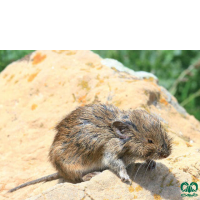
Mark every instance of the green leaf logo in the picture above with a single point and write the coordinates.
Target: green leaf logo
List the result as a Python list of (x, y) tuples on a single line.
[(185, 187)]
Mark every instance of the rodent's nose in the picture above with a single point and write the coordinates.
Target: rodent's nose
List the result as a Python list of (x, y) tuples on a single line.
[(164, 155)]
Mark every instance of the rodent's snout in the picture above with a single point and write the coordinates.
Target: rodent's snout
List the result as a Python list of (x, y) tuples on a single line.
[(165, 150), (163, 154)]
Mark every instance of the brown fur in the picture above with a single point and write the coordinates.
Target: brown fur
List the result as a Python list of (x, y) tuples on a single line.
[(98, 136), (86, 134)]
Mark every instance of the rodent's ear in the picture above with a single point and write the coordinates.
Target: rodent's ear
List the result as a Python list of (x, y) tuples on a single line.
[(119, 127)]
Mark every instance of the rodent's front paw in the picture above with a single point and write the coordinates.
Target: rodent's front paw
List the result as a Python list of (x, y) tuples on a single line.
[(151, 164), (125, 177)]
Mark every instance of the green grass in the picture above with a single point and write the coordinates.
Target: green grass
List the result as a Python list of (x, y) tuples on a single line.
[(171, 67)]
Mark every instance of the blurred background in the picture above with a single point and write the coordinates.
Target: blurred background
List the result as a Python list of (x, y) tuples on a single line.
[(178, 71)]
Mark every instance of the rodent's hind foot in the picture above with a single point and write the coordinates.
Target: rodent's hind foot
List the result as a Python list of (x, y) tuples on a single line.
[(151, 164), (88, 176)]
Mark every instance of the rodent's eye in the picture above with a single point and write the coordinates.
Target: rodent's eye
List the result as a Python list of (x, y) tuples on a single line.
[(150, 141)]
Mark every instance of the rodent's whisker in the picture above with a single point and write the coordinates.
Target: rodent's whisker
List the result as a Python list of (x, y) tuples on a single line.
[(148, 166), (138, 170)]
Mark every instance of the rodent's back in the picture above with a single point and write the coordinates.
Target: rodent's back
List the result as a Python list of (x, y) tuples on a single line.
[(82, 135), (86, 119)]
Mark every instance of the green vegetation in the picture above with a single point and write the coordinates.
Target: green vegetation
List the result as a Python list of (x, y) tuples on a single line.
[(8, 56), (178, 71)]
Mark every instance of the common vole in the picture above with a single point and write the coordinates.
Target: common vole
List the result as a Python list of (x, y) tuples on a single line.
[(98, 136)]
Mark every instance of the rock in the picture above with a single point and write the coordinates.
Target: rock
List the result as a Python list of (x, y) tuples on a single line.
[(170, 99), (39, 90), (114, 64)]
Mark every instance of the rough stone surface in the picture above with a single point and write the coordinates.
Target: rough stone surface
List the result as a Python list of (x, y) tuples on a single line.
[(39, 90), (112, 63)]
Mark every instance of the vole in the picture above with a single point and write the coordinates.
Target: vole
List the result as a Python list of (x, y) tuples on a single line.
[(99, 136)]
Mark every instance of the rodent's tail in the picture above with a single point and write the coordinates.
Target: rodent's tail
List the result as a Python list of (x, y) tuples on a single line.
[(45, 178)]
